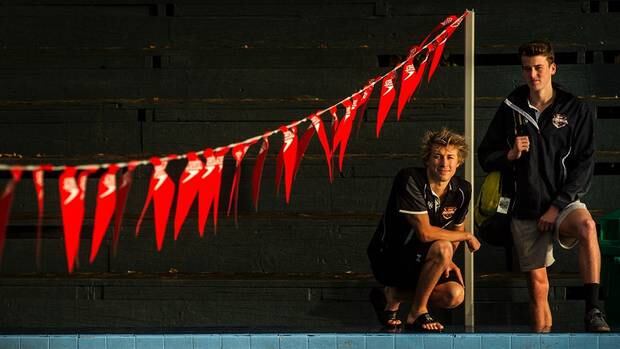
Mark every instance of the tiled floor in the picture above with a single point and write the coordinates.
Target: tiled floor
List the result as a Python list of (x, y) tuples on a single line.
[(314, 341)]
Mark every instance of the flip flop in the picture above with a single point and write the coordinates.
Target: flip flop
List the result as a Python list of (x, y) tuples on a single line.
[(377, 298), (424, 319)]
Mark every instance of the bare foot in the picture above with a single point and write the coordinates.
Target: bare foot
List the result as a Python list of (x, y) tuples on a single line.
[(391, 304), (423, 322)]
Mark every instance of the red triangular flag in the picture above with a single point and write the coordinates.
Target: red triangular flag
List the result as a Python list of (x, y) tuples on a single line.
[(288, 154), (363, 104), (279, 170), (161, 192), (451, 23), (341, 138), (320, 130), (82, 182), (106, 203), (37, 179), (407, 76), (388, 93), (304, 142), (409, 82), (437, 48), (238, 153), (72, 193), (439, 27), (121, 201), (280, 163), (257, 173), (189, 184), (5, 205), (211, 180), (333, 111), (207, 183)]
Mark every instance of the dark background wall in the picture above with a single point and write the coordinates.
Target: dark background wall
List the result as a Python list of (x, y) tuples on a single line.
[(85, 81)]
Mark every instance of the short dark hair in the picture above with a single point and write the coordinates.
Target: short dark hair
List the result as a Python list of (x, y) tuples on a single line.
[(538, 48), (444, 138)]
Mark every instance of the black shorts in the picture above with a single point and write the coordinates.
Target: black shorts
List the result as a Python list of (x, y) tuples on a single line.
[(402, 268)]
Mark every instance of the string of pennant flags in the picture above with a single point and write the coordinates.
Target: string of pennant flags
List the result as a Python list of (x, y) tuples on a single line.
[(202, 176)]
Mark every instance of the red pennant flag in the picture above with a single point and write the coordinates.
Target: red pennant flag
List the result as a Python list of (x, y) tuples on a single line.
[(121, 201), (388, 93), (82, 182), (406, 78), (280, 163), (257, 174), (334, 127), (5, 205), (211, 180), (320, 130), (333, 110), (189, 184), (361, 109), (106, 202), (304, 142), (238, 153), (439, 27), (161, 192), (409, 82), (451, 23), (279, 170), (72, 192), (341, 138), (288, 155), (69, 203), (37, 179)]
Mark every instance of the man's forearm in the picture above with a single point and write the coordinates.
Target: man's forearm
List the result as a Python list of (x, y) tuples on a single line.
[(433, 233)]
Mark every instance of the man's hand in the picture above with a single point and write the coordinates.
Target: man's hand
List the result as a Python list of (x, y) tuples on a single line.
[(457, 271), (473, 244), (522, 144), (546, 223)]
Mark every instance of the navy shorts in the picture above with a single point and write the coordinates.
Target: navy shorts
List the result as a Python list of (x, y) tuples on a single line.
[(401, 268)]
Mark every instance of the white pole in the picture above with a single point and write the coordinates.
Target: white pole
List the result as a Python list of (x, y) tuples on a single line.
[(469, 166)]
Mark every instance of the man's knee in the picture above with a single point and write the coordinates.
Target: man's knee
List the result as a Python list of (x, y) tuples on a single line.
[(450, 296), (455, 297), (580, 225), (441, 251), (587, 230)]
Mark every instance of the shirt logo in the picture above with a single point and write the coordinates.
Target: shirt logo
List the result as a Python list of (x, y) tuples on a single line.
[(448, 212), (559, 120), (430, 205)]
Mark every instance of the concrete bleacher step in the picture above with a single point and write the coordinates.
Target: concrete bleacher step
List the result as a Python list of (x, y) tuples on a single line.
[(101, 302)]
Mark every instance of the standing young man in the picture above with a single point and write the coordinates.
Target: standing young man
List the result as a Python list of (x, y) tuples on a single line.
[(543, 136), (412, 248)]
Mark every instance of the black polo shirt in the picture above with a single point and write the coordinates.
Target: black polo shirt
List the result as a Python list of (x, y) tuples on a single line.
[(411, 194)]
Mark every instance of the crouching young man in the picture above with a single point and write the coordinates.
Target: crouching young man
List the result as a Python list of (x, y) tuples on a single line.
[(411, 251)]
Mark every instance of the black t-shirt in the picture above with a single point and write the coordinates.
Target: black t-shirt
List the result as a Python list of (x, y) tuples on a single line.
[(411, 194)]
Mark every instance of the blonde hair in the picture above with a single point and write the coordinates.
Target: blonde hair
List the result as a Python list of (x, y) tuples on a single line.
[(444, 138)]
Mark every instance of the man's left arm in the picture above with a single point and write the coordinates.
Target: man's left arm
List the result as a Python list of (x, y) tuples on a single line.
[(459, 223), (579, 169), (580, 161), (461, 228)]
